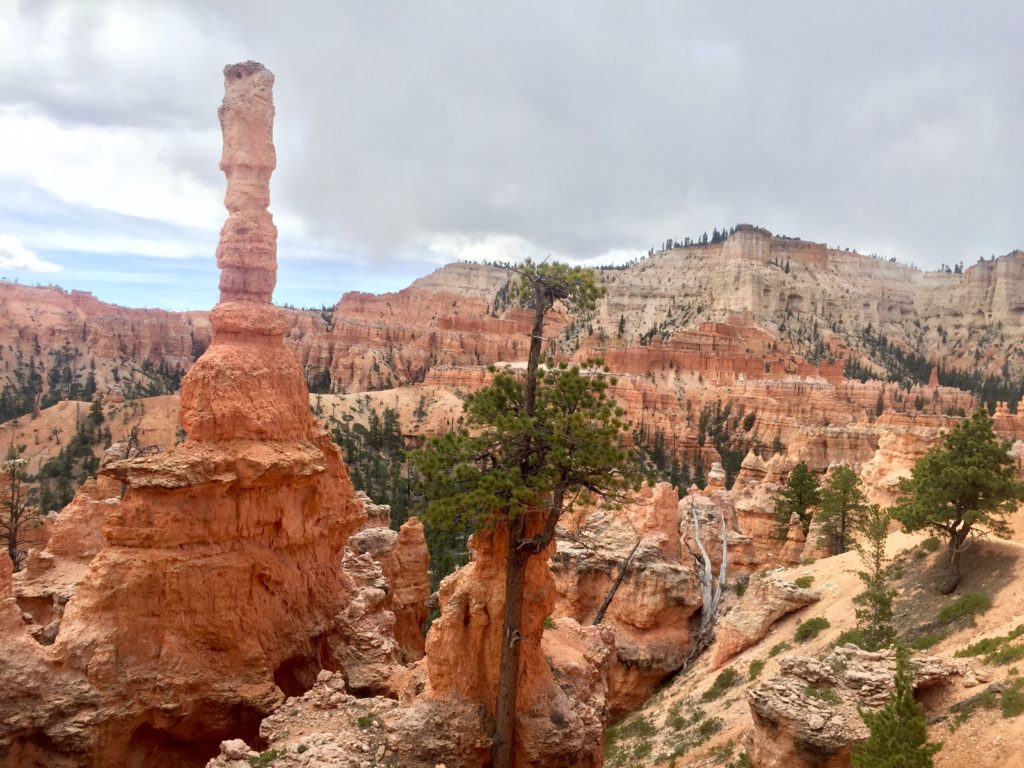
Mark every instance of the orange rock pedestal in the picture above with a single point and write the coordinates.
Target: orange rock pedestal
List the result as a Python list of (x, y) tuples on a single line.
[(217, 586)]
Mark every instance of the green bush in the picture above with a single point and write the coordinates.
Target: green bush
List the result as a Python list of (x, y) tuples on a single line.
[(822, 694), (852, 636), (755, 668), (1012, 702), (927, 640), (1008, 654), (810, 629), (365, 721), (637, 727), (777, 649), (804, 581), (709, 728), (723, 752), (725, 680), (964, 607), (266, 758), (642, 749), (549, 623), (931, 544), (990, 644)]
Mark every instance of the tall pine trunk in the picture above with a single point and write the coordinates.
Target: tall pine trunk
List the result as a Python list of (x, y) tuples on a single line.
[(503, 749), (503, 739)]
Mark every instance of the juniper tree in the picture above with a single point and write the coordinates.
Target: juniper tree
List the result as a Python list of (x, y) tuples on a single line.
[(898, 732), (797, 496), (964, 486), (532, 444), (842, 508)]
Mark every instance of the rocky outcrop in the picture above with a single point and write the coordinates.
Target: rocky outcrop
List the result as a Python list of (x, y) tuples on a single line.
[(808, 716), (658, 594), (766, 600), (216, 587), (328, 727), (404, 561)]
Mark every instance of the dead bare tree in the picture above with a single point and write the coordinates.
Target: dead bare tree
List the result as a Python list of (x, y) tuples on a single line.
[(711, 590), (18, 517), (615, 586)]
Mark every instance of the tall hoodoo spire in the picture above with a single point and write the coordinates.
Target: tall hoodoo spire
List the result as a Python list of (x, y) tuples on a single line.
[(247, 386), (247, 253)]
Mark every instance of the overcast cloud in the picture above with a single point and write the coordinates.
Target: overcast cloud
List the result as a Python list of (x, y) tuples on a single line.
[(410, 134)]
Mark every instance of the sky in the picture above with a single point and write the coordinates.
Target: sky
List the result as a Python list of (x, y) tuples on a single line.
[(413, 134)]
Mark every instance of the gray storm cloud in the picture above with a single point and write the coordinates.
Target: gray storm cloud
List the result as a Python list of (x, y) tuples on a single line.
[(579, 128)]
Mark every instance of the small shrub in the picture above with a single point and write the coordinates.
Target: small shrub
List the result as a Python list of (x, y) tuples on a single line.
[(927, 640), (709, 728), (990, 644), (965, 607), (1012, 702), (725, 680), (301, 748), (804, 581), (778, 648), (740, 587), (1008, 654), (365, 721), (638, 727), (852, 637), (549, 623), (810, 629), (266, 758), (931, 544), (722, 752), (642, 749), (755, 668), (822, 694), (743, 761)]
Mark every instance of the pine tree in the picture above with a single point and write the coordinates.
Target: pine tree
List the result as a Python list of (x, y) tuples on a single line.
[(842, 508), (533, 443), (964, 485), (898, 732), (875, 615), (801, 492)]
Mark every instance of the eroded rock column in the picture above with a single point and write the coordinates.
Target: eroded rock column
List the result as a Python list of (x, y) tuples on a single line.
[(247, 385)]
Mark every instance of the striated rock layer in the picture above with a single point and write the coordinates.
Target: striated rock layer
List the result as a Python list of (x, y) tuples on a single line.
[(216, 587)]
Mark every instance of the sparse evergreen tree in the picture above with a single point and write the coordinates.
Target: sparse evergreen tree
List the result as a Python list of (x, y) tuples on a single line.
[(874, 616), (534, 442), (898, 732), (964, 485), (801, 492), (842, 508)]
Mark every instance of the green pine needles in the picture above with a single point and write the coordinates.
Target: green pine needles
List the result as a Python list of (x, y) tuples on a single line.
[(961, 487), (898, 732)]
